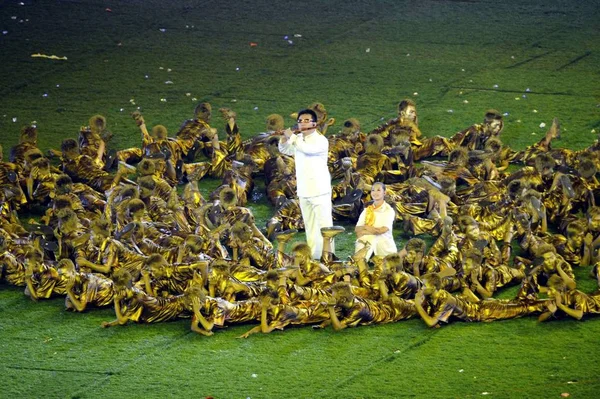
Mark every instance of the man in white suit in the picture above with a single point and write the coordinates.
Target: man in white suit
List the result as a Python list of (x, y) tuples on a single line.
[(309, 149)]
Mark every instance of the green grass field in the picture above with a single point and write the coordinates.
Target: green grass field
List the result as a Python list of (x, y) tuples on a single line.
[(534, 60)]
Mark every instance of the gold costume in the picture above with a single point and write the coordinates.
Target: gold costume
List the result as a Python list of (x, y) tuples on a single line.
[(92, 289), (367, 311)]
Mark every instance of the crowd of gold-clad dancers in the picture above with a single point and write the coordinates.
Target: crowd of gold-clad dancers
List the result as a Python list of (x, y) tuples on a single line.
[(129, 229)]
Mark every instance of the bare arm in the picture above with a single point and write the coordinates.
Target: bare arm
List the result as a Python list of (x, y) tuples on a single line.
[(335, 322), (79, 304), (83, 262), (430, 321)]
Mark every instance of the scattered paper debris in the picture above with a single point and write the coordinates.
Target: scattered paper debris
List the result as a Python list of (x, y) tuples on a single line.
[(463, 69), (565, 394), (256, 108), (254, 375), (169, 70), (169, 82), (527, 90), (450, 111), (408, 55), (415, 94), (107, 10), (535, 111), (368, 50), (290, 42), (237, 68), (465, 101), (163, 30), (485, 393), (233, 100), (506, 114), (188, 94), (461, 370), (45, 95), (163, 100), (14, 120), (297, 35), (253, 44), (542, 125), (5, 32), (496, 86)]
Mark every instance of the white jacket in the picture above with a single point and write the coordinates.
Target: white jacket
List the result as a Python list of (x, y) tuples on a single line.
[(310, 154)]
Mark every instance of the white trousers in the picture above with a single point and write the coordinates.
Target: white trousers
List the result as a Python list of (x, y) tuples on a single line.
[(380, 245), (316, 213)]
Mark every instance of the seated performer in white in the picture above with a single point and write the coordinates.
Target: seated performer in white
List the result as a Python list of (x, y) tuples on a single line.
[(375, 225)]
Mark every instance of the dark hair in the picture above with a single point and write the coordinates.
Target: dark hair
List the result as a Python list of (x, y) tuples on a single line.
[(310, 112), (380, 184), (405, 104), (69, 145)]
